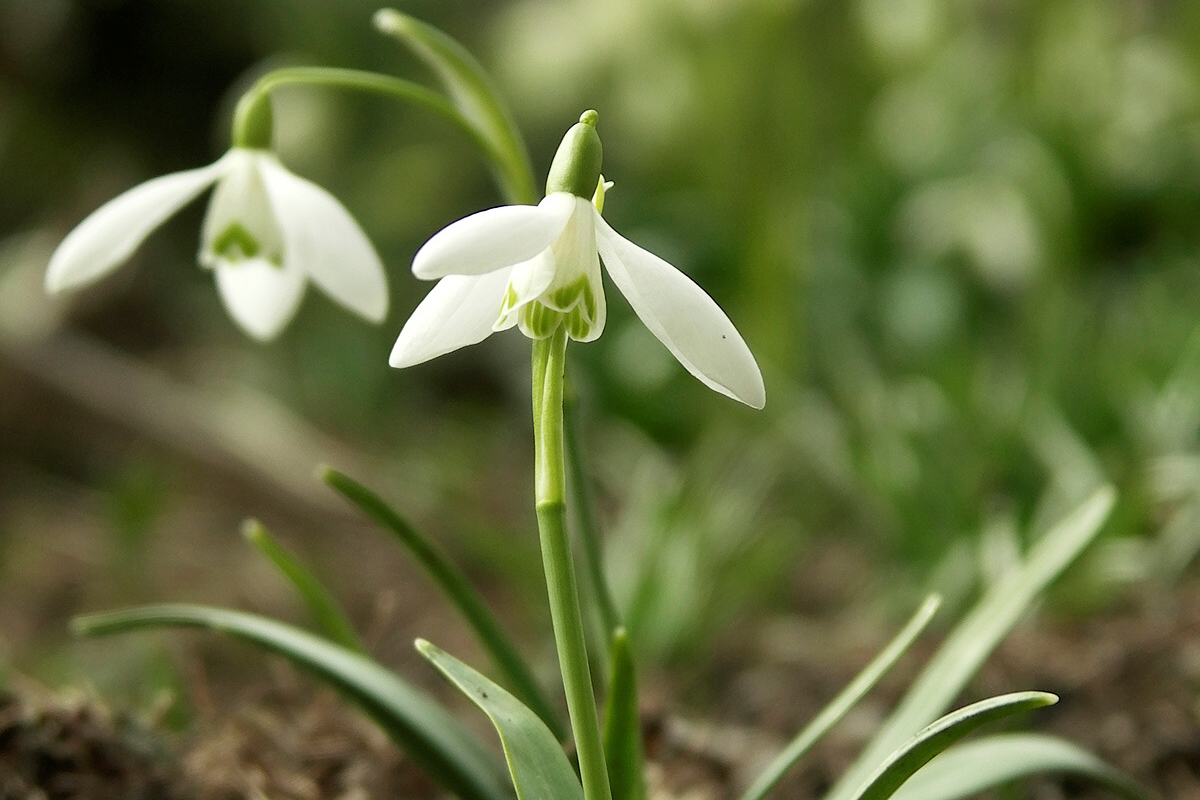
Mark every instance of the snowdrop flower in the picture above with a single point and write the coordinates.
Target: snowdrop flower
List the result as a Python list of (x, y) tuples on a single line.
[(267, 233), (538, 267)]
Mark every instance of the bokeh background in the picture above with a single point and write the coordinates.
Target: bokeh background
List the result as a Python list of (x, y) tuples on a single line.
[(961, 237)]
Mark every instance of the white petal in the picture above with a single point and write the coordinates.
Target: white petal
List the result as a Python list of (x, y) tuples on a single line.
[(683, 317), (492, 239), (459, 311), (325, 243), (260, 296), (530, 278), (112, 232)]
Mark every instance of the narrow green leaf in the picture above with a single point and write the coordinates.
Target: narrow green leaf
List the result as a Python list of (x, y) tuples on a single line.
[(921, 749), (325, 610), (979, 633), (451, 580), (472, 92), (846, 700), (435, 740), (539, 767), (622, 725), (974, 767), (583, 517)]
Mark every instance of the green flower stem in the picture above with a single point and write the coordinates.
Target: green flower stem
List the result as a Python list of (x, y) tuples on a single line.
[(549, 358), (253, 109)]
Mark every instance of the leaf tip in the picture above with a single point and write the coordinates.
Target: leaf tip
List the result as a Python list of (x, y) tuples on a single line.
[(80, 626), (389, 21), (253, 530)]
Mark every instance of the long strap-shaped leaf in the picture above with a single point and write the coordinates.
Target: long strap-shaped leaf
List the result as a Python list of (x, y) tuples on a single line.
[(454, 584), (472, 92), (841, 705), (324, 608), (921, 749), (539, 768), (432, 738), (622, 725), (974, 767), (974, 639)]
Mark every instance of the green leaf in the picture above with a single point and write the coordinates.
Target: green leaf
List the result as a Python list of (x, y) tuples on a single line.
[(325, 610), (974, 767), (979, 633), (583, 516), (472, 92), (539, 767), (622, 726), (432, 738), (921, 749), (451, 580), (846, 700)]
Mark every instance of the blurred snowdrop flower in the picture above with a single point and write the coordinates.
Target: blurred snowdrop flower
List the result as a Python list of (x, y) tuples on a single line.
[(266, 234), (538, 267)]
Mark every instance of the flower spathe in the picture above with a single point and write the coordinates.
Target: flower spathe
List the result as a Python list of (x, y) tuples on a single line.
[(537, 267), (267, 233)]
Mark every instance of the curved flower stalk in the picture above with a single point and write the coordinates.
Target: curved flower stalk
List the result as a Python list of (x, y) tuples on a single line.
[(267, 233), (538, 267)]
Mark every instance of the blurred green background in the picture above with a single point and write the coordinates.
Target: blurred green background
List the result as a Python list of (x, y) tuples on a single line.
[(961, 237)]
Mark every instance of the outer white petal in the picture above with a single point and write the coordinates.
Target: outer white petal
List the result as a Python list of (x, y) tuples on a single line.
[(260, 296), (112, 232), (323, 241), (460, 310), (683, 317), (492, 239)]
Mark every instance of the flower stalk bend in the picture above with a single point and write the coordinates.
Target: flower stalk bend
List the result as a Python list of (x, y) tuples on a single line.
[(549, 359)]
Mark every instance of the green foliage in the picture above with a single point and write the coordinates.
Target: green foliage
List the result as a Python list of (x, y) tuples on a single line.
[(434, 739), (974, 767), (922, 748), (623, 749), (536, 761), (323, 607), (978, 635), (456, 587), (837, 708)]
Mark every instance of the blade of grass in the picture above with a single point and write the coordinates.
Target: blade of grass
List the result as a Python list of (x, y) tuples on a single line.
[(432, 738), (920, 749), (622, 725), (831, 714), (325, 610), (583, 515), (451, 580), (987, 763), (979, 633)]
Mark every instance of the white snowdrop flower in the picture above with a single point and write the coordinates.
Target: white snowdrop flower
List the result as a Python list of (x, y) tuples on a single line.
[(268, 232), (538, 267)]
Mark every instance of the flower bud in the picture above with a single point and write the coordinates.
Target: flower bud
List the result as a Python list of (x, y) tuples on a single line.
[(576, 165)]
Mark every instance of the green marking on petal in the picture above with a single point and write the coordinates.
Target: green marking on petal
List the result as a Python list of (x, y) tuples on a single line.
[(564, 298), (538, 321), (235, 243), (589, 301), (578, 323)]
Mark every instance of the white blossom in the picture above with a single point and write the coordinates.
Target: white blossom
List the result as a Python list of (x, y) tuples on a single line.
[(268, 232)]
